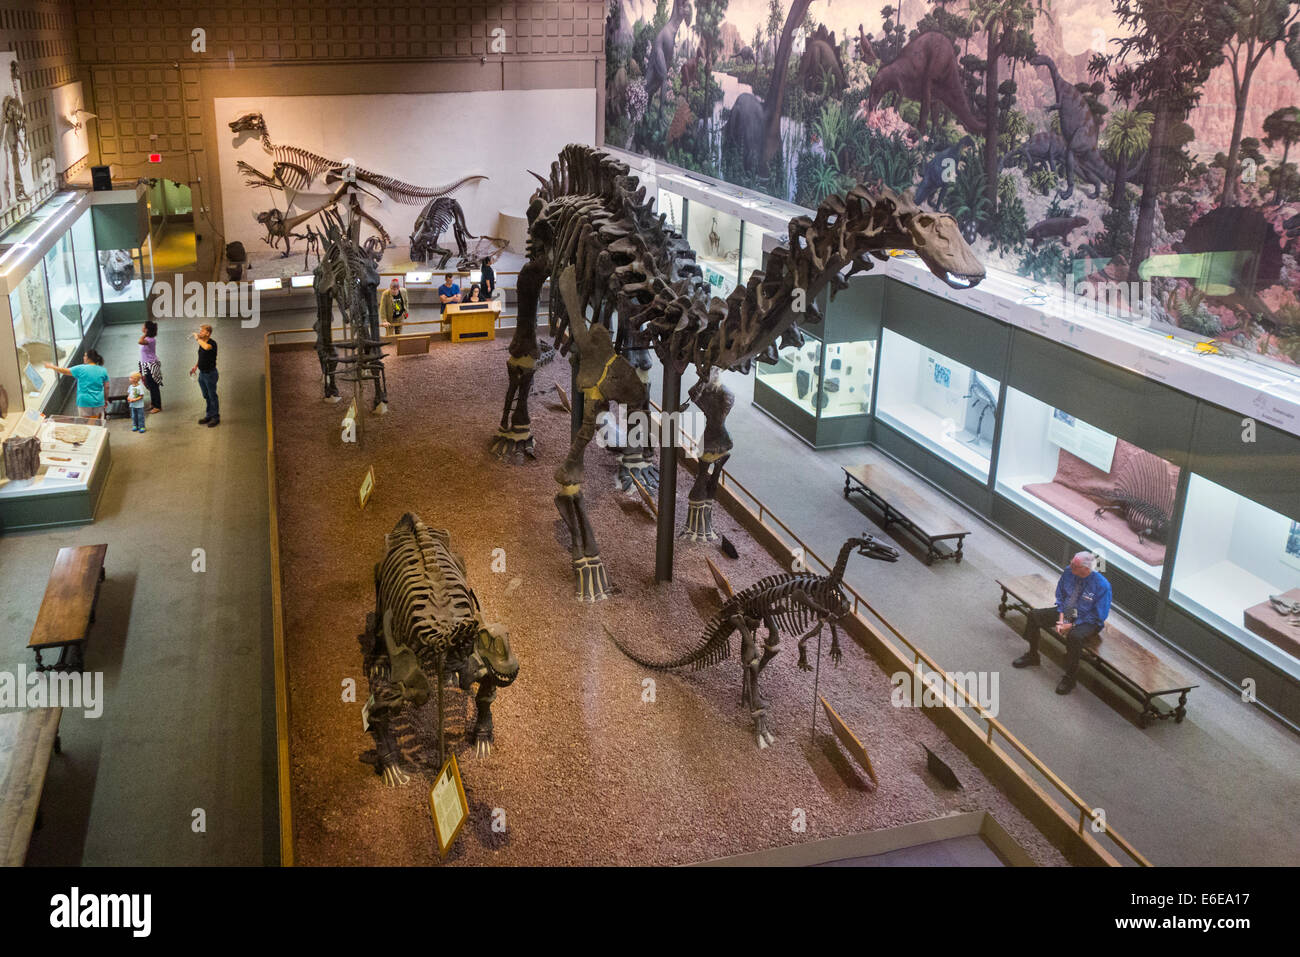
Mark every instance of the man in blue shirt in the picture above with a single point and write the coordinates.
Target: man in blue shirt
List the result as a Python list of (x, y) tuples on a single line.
[(448, 291), (1082, 606)]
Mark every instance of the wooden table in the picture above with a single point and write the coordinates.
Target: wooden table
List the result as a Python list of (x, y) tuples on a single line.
[(26, 740), (1113, 653), (68, 609), (900, 505)]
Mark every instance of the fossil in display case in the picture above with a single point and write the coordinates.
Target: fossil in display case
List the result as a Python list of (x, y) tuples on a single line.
[(794, 601), (22, 457), (119, 268), (591, 221), (427, 626), (1135, 497)]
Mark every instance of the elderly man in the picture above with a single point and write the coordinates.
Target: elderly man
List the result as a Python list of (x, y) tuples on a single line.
[(1082, 604)]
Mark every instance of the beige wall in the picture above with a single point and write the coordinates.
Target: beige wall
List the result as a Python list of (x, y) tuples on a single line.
[(42, 35), (154, 93)]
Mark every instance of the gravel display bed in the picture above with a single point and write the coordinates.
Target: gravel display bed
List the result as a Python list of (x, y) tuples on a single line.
[(591, 765)]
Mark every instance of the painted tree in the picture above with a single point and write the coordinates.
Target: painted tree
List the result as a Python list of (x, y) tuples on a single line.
[(1282, 126), (1171, 48), (1126, 137), (775, 21), (1000, 21), (1257, 27), (709, 15)]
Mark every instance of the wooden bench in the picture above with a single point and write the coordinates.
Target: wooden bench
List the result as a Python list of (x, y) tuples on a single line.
[(68, 609), (26, 740), (1113, 653), (900, 505)]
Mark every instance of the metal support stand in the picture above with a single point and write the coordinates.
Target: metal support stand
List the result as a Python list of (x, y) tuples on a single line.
[(667, 530), (817, 677)]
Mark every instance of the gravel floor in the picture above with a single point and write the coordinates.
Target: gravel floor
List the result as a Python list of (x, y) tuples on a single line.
[(585, 770)]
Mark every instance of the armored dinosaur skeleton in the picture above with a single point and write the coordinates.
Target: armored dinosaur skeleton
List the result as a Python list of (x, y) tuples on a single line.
[(427, 623), (793, 601), (640, 284)]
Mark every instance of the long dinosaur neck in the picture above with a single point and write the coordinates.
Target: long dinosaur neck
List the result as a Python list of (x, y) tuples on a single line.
[(841, 563), (266, 141), (776, 92)]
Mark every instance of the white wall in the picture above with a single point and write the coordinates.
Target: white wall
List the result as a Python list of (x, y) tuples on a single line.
[(426, 139), (1026, 455)]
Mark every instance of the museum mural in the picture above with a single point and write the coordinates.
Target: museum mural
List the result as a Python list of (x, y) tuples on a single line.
[(1077, 142)]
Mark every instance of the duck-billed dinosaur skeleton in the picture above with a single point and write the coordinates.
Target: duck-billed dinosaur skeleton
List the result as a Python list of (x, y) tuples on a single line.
[(593, 232), (793, 601)]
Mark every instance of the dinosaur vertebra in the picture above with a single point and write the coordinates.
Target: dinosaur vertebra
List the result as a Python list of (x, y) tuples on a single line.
[(926, 71), (594, 233), (793, 601), (427, 623)]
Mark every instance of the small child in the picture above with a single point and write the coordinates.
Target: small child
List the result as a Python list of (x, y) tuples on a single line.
[(135, 399)]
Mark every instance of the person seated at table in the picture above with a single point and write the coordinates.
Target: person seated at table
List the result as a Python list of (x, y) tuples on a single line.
[(448, 291), (1082, 606), (473, 294)]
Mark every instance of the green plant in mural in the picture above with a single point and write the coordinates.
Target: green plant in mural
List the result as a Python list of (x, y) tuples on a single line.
[(1282, 126), (965, 200), (1049, 263), (1125, 138), (1189, 310)]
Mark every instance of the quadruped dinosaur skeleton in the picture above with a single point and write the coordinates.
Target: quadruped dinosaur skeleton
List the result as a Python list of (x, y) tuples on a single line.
[(610, 256)]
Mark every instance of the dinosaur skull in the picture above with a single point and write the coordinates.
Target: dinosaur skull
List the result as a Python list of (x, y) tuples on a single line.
[(492, 647), (938, 240), (249, 123), (870, 548)]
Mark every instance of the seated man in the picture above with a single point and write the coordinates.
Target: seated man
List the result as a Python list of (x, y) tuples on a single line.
[(1082, 605), (448, 291)]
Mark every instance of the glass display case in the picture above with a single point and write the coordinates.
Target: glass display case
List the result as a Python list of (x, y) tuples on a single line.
[(1238, 568), (671, 206), (826, 380), (34, 336), (65, 303), (948, 408), (87, 268), (126, 275), (715, 237), (1107, 494)]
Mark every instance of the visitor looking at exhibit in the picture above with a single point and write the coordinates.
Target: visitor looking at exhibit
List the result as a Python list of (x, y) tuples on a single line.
[(392, 307), (91, 378), (150, 367), (206, 368)]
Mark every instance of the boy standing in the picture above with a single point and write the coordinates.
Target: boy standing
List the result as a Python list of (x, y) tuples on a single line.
[(135, 399)]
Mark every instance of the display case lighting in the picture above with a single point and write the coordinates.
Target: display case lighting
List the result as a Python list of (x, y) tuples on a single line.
[(302, 281), (271, 282)]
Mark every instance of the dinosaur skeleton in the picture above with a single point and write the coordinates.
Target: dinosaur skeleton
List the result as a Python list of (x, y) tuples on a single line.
[(1135, 498), (437, 215), (1287, 608), (347, 275), (295, 169), (591, 222), (427, 623), (982, 399), (792, 601), (279, 227)]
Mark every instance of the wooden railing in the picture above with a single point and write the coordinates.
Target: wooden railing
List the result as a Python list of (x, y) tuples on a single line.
[(994, 728)]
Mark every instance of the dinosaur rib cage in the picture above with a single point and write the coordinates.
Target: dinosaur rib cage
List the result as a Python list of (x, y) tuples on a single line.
[(593, 214), (423, 582)]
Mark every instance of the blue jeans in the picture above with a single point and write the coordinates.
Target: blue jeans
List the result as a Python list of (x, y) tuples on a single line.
[(137, 416), (208, 386)]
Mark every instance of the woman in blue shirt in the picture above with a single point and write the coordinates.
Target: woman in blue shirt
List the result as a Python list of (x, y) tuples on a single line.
[(92, 379)]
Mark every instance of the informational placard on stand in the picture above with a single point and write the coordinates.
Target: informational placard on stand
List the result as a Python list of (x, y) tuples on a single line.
[(1079, 438), (448, 806), (367, 486)]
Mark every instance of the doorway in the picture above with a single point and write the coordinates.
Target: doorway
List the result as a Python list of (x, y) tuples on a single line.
[(171, 227)]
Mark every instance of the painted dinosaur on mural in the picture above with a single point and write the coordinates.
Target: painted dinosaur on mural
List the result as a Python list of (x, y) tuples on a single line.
[(926, 71), (821, 58), (659, 58), (629, 286)]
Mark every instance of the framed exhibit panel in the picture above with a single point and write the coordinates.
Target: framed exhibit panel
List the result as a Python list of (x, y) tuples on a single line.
[(1102, 492), (941, 404), (1234, 555)]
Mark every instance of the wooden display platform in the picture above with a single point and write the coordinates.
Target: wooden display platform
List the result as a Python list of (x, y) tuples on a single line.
[(900, 505), (1113, 653)]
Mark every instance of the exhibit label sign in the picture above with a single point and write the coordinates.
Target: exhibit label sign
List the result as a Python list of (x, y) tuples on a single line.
[(367, 486), (1088, 442), (448, 806)]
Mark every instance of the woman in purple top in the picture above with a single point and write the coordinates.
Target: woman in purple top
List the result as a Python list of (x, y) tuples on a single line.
[(150, 367)]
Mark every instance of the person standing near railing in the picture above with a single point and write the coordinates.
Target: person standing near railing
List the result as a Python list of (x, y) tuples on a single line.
[(392, 307)]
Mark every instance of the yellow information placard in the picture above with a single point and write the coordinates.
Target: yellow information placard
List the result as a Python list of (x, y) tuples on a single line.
[(367, 486), (448, 806)]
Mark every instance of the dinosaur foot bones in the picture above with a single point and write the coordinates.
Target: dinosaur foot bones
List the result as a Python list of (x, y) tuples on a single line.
[(699, 522)]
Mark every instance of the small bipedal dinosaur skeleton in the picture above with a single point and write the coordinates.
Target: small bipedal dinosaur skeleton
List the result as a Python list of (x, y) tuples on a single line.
[(427, 624), (1135, 497), (793, 601), (983, 399)]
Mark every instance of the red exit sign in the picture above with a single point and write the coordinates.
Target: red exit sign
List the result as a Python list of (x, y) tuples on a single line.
[(155, 157)]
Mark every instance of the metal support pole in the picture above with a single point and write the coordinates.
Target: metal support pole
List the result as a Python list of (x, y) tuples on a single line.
[(667, 531)]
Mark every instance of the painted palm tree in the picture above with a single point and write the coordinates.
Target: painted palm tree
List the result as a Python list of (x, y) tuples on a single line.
[(1126, 137)]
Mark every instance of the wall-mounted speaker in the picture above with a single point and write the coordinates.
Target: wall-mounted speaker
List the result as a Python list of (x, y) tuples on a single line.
[(101, 177)]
